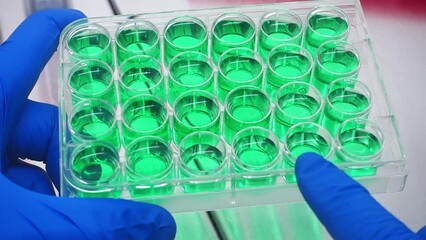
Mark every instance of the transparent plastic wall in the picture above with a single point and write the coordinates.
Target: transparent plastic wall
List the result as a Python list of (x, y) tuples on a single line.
[(178, 192)]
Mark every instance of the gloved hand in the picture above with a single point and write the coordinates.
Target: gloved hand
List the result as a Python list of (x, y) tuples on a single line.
[(30, 130), (345, 207)]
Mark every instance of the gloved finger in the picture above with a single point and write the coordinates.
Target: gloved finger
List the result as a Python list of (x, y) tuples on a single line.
[(343, 206), (36, 137), (24, 55), (30, 177), (35, 216)]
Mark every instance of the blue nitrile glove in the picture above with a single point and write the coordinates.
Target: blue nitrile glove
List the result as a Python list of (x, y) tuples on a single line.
[(345, 207), (30, 130)]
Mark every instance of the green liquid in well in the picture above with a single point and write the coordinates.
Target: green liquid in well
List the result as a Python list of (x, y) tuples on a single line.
[(138, 42), (290, 64), (89, 88), (298, 105), (240, 75), (151, 161), (91, 46), (280, 30), (256, 153), (197, 118), (231, 33), (303, 142), (330, 26), (241, 68), (289, 71), (110, 193), (256, 157), (141, 80), (185, 36), (308, 142), (96, 166), (138, 47), (92, 82), (246, 110), (191, 72), (339, 61), (233, 38), (347, 104), (150, 165), (186, 41), (144, 118), (96, 170), (88, 45), (336, 63), (203, 159), (238, 71), (362, 144), (195, 113), (190, 75), (248, 113), (90, 50), (287, 67), (325, 28), (146, 122), (295, 108), (94, 128), (276, 33), (95, 123)]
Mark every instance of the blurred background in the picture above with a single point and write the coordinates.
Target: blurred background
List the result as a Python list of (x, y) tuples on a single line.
[(398, 32)]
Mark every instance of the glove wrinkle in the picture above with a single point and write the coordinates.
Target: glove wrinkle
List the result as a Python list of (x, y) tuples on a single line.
[(66, 218), (33, 225)]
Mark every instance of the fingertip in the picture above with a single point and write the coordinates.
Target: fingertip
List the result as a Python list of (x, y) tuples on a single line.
[(308, 160), (316, 175), (43, 28), (308, 164), (167, 229), (62, 17)]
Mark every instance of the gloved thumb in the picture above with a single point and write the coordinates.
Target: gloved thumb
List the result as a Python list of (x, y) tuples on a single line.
[(343, 206)]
